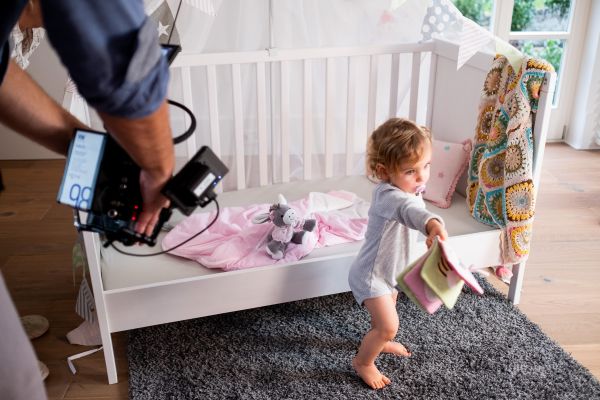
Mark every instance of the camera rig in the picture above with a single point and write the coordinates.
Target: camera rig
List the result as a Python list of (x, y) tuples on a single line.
[(101, 179)]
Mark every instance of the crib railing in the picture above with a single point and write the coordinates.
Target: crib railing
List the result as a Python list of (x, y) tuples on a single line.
[(276, 115)]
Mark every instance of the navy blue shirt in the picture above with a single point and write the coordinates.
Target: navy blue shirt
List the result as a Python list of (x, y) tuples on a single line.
[(110, 49)]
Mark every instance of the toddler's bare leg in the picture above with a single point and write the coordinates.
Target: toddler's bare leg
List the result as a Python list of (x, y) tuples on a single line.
[(384, 325), (395, 347)]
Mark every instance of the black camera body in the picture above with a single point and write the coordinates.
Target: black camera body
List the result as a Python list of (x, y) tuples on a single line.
[(101, 179)]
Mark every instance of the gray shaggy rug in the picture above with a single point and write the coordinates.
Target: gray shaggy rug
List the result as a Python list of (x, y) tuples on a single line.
[(482, 349)]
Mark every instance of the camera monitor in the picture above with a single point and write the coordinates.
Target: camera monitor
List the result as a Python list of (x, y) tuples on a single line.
[(81, 172)]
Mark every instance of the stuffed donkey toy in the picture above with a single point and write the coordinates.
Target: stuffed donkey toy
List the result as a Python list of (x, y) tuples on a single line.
[(289, 227)]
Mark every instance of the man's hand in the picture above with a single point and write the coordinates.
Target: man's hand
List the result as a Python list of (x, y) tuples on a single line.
[(154, 201), (435, 228)]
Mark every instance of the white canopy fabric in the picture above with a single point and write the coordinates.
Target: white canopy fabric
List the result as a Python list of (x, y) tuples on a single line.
[(209, 26)]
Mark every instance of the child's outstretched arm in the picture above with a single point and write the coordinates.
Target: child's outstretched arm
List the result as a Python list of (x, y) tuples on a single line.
[(435, 228)]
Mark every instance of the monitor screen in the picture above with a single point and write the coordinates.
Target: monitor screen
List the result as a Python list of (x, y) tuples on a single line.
[(81, 170)]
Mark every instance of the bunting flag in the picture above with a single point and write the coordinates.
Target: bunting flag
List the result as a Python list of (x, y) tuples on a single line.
[(160, 12), (85, 305), (395, 4), (25, 42), (440, 15), (472, 39)]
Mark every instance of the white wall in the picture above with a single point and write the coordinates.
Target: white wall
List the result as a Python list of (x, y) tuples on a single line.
[(584, 126), (46, 69)]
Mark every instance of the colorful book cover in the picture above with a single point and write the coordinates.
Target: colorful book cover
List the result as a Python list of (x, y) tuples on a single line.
[(453, 262), (440, 277), (415, 288)]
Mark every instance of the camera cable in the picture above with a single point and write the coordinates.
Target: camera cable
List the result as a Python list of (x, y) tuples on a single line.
[(176, 246)]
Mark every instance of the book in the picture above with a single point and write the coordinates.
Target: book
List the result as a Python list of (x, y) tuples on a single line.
[(436, 278), (414, 286)]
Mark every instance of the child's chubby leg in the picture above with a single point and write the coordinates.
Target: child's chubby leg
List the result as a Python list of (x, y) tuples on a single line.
[(395, 347), (384, 325)]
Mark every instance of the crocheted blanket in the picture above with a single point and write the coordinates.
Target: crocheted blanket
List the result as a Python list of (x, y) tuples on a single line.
[(500, 183)]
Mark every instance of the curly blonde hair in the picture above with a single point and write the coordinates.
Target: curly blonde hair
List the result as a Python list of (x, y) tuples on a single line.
[(396, 141)]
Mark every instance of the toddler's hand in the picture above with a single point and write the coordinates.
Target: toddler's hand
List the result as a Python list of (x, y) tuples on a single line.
[(435, 228)]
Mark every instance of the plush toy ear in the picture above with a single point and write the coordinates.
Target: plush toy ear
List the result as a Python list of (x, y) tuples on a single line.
[(282, 199), (261, 218)]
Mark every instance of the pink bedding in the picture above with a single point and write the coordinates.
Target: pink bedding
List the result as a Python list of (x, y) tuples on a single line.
[(234, 242)]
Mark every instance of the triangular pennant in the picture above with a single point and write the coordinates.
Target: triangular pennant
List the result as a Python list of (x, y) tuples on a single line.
[(85, 305), (440, 15), (162, 14), (472, 39), (395, 4)]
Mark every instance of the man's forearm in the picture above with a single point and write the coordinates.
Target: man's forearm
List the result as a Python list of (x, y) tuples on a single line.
[(147, 140), (27, 109)]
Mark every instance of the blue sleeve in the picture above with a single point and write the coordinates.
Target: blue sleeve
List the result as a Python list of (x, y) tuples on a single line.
[(111, 51)]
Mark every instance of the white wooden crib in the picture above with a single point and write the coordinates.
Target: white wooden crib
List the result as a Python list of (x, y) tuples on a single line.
[(137, 292)]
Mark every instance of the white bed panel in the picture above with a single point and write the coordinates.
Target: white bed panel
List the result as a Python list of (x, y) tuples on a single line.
[(238, 290), (119, 271)]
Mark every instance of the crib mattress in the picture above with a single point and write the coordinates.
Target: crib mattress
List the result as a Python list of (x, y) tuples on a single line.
[(120, 271)]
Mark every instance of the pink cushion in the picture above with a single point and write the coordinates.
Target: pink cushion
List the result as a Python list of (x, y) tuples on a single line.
[(448, 162)]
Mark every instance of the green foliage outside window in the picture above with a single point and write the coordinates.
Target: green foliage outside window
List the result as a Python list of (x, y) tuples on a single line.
[(523, 11), (562, 6), (479, 11), (522, 14)]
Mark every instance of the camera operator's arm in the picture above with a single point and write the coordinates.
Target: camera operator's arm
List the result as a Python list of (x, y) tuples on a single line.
[(111, 51), (149, 142), (27, 109)]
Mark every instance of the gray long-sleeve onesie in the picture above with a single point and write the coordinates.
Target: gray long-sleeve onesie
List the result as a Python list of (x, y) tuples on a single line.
[(384, 254)]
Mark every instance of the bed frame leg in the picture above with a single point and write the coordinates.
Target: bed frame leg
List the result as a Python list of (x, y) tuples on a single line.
[(109, 357), (516, 283), (92, 251)]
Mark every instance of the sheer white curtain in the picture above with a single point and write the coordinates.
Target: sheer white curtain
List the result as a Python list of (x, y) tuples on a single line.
[(243, 25), (256, 25)]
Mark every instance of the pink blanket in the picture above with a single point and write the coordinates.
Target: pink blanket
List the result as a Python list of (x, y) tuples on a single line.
[(234, 242)]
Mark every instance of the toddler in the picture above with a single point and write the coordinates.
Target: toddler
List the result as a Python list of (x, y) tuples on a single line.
[(398, 156)]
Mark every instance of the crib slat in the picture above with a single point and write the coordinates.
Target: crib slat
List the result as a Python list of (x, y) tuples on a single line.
[(213, 109), (372, 95), (394, 85), (431, 94), (285, 122), (261, 110), (186, 81), (350, 116), (414, 85), (308, 125), (238, 126), (213, 112), (329, 117)]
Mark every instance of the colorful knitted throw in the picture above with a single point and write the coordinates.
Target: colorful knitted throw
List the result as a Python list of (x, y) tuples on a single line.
[(500, 184)]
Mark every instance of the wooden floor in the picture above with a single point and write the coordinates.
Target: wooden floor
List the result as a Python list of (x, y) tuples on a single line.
[(561, 292)]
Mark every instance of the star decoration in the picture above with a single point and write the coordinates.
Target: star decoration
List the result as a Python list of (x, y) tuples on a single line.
[(162, 29)]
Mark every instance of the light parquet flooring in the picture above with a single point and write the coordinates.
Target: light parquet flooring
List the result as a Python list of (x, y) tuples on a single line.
[(561, 292)]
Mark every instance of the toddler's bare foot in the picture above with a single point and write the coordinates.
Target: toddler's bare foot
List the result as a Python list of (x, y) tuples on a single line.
[(370, 375), (396, 348)]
